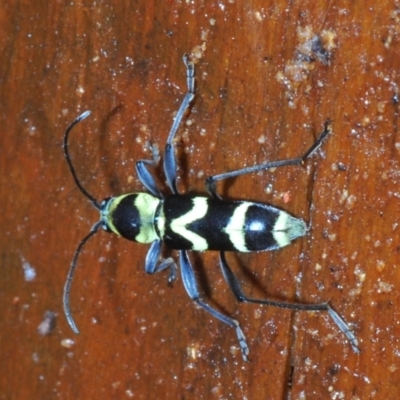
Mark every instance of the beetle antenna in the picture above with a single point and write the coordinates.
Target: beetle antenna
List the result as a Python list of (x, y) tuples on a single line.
[(68, 158), (68, 282)]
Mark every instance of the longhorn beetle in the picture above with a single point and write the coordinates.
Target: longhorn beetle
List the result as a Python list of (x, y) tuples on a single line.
[(190, 222)]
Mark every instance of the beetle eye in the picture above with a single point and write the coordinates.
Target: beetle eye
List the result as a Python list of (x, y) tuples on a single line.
[(105, 227), (104, 202)]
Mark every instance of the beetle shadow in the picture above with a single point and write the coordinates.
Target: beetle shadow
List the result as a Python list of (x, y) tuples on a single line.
[(245, 275), (108, 149), (249, 280)]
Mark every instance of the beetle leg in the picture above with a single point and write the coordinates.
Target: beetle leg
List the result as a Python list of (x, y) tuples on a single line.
[(234, 285), (144, 174), (169, 153), (211, 180), (189, 281), (152, 264)]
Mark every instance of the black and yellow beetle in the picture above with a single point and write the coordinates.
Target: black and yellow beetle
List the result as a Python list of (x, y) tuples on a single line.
[(189, 222)]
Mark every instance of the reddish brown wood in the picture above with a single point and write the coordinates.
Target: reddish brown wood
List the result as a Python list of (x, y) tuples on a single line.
[(139, 338)]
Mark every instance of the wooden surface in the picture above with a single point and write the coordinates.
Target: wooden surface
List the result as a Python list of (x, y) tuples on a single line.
[(257, 99)]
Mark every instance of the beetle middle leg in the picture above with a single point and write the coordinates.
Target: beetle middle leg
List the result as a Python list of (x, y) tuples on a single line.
[(211, 180), (190, 284)]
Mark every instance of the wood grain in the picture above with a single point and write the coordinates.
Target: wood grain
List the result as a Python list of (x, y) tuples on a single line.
[(259, 96)]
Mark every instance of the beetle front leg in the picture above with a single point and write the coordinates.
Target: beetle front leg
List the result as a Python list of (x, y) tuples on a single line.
[(145, 177), (169, 153), (152, 264)]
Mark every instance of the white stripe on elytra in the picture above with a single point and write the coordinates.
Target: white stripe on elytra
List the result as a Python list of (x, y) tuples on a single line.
[(179, 225), (280, 230), (234, 229)]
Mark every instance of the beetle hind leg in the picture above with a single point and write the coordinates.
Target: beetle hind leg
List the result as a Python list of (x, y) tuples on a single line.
[(234, 285)]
